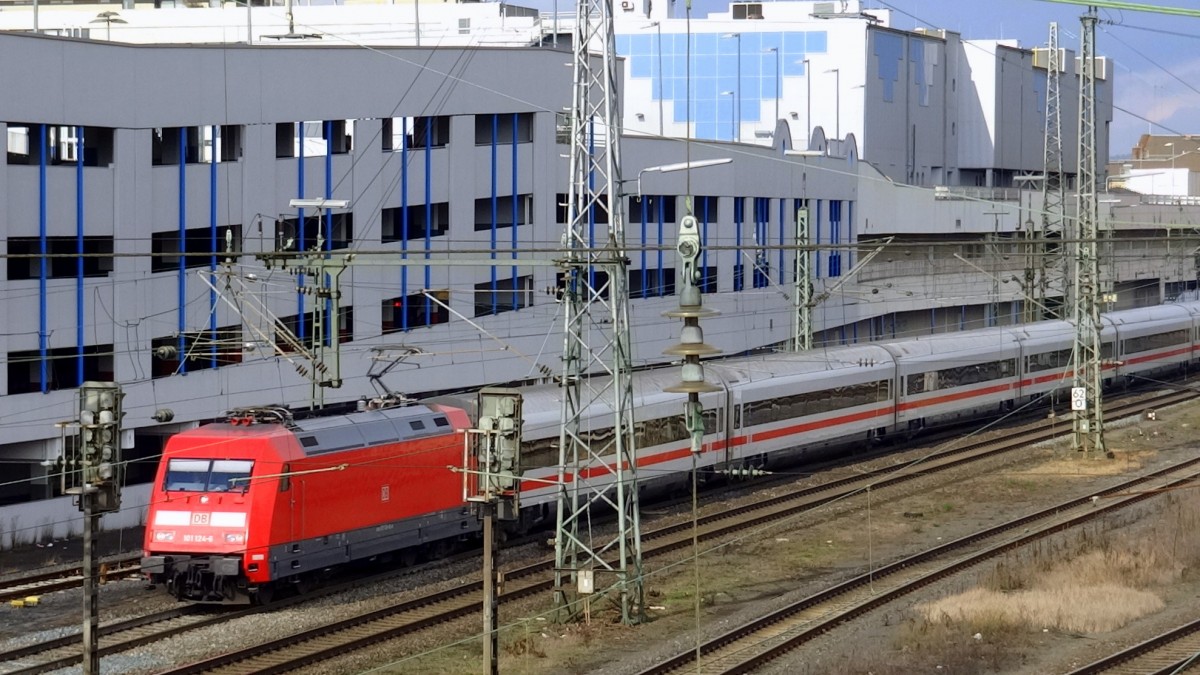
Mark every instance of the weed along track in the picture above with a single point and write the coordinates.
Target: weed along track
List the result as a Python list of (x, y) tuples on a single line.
[(761, 641), (1170, 652), (72, 577), (409, 618)]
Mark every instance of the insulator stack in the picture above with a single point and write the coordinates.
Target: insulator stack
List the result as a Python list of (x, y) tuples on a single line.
[(691, 339)]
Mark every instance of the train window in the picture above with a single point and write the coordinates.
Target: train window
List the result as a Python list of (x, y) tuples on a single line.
[(309, 441), (187, 475), (206, 475), (416, 425), (960, 376), (816, 402), (648, 433), (920, 382), (1146, 343), (441, 421), (1050, 360), (597, 438), (539, 453), (230, 475), (285, 481)]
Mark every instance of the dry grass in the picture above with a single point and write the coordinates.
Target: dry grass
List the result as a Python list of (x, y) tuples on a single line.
[(1094, 583), (982, 644), (1097, 580), (1073, 608), (1067, 465)]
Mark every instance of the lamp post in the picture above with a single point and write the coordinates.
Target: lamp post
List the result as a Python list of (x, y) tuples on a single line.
[(680, 166), (778, 82), (807, 105), (732, 115), (108, 19), (737, 135), (658, 48), (837, 92)]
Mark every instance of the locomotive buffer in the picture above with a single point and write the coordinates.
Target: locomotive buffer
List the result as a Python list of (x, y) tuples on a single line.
[(492, 461)]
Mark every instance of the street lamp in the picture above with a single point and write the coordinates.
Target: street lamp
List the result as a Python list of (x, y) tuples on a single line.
[(661, 84), (732, 115), (837, 90), (738, 124), (680, 166), (807, 104), (108, 19), (778, 82)]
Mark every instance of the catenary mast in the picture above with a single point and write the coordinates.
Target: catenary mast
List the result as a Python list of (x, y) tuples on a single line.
[(1087, 354), (597, 467), (1051, 298)]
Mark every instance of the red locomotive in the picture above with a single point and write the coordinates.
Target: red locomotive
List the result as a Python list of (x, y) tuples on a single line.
[(243, 506)]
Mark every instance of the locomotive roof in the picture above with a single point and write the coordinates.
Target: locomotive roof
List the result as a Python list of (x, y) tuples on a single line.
[(371, 427)]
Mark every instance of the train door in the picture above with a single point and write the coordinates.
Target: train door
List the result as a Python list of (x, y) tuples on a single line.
[(288, 501), (298, 512), (733, 424), (724, 430)]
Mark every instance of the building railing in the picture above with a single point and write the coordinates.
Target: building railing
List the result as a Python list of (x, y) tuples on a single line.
[(1170, 200), (963, 192)]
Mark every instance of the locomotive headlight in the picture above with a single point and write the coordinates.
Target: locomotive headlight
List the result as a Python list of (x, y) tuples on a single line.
[(233, 538), (164, 535)]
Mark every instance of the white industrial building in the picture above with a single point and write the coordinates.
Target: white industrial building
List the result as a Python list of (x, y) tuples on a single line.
[(155, 175)]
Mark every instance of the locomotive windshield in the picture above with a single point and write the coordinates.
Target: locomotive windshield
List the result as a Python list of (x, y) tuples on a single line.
[(208, 475)]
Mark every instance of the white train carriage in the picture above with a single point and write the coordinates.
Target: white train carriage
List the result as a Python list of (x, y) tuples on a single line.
[(1152, 340), (660, 434), (1046, 348), (947, 377), (793, 405), (789, 406)]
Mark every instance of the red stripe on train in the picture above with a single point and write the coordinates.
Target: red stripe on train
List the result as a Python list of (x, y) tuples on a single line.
[(680, 453), (821, 424), (957, 396)]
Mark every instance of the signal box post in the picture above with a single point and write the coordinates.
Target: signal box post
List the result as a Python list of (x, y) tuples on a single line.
[(92, 469), (492, 455)]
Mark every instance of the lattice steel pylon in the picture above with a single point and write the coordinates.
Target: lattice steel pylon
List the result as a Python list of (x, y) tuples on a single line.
[(1050, 296), (1086, 395), (597, 461)]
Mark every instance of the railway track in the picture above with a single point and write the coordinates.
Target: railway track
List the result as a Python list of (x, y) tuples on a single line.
[(121, 636), (759, 642), (1171, 652), (64, 579), (338, 638), (115, 637)]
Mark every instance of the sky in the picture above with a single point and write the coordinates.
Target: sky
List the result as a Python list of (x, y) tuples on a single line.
[(1156, 56)]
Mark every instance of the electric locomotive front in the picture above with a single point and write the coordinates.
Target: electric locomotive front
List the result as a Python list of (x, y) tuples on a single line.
[(206, 522)]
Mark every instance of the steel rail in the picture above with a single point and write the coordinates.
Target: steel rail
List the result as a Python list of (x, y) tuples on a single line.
[(338, 638), (63, 579), (1163, 654), (766, 639)]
